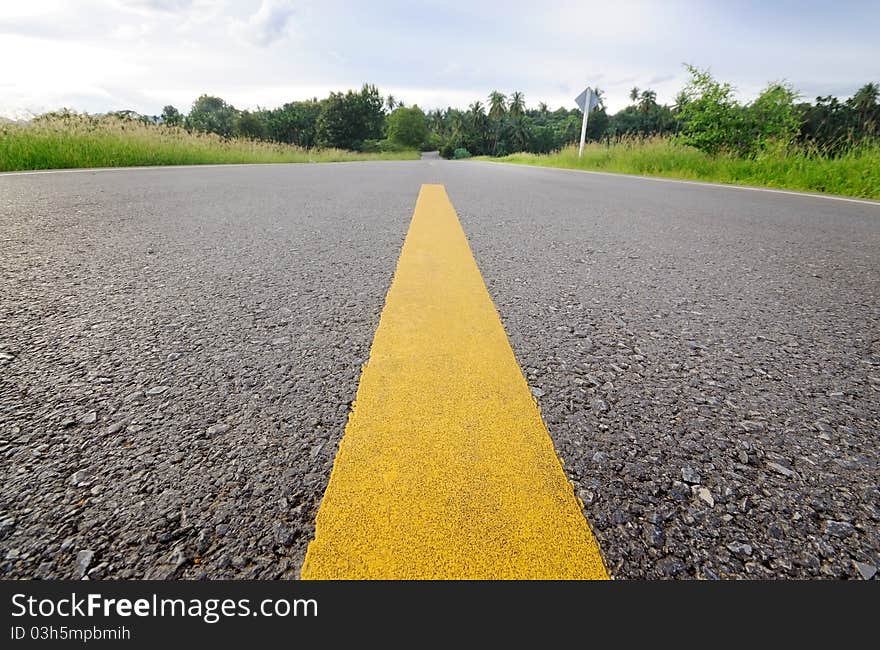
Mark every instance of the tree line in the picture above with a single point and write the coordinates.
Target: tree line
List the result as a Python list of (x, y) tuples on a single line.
[(706, 114)]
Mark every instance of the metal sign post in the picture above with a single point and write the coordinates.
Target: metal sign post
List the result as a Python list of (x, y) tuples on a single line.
[(587, 101)]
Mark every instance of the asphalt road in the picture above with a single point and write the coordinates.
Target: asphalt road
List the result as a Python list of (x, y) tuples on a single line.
[(180, 349)]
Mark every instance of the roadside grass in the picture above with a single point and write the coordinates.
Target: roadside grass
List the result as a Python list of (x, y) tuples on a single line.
[(72, 141), (853, 173)]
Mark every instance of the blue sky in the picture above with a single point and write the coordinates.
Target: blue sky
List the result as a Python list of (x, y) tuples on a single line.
[(99, 55)]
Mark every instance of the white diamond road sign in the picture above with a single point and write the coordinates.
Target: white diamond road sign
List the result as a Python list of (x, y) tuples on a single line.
[(581, 99)]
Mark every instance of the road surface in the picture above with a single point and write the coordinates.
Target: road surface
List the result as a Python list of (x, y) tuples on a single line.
[(181, 348)]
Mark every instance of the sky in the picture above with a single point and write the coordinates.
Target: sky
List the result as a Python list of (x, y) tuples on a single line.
[(101, 55)]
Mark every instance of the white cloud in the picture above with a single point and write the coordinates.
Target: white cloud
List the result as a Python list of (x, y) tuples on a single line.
[(100, 55), (269, 24), (158, 5)]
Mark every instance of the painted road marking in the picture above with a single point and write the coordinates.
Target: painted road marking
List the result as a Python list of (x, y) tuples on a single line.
[(446, 469)]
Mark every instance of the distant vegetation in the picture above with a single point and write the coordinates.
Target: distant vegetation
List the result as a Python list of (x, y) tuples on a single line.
[(707, 133), (344, 126), (354, 121), (68, 140), (705, 115), (854, 172), (775, 140)]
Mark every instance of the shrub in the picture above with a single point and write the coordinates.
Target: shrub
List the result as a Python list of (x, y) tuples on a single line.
[(407, 127), (461, 153), (447, 149), (433, 143), (772, 118), (383, 146), (711, 117)]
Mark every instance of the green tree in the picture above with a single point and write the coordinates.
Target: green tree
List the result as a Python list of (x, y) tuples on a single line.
[(569, 127), (681, 99), (211, 115), (520, 133), (295, 123), (251, 125), (347, 119), (865, 104), (643, 118), (712, 120), (772, 117), (437, 121), (826, 124), (408, 127), (497, 111), (477, 129), (171, 116), (517, 104), (497, 105), (597, 125), (457, 123), (705, 114), (647, 101)]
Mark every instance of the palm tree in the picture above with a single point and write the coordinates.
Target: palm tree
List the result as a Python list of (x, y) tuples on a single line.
[(600, 98), (866, 97), (478, 124), (517, 104), (520, 133), (634, 94), (497, 106), (391, 102), (477, 110), (648, 99), (542, 108), (865, 103), (456, 121), (436, 120), (680, 100)]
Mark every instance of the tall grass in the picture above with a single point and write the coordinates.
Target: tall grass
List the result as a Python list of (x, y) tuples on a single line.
[(72, 140), (856, 172)]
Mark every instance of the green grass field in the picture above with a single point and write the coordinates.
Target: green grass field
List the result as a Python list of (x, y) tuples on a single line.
[(63, 142), (855, 173)]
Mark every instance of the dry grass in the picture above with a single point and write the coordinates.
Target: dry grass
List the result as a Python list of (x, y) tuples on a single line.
[(70, 140)]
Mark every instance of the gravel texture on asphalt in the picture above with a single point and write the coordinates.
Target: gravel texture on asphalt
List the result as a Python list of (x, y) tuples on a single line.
[(180, 348), (707, 361), (179, 352)]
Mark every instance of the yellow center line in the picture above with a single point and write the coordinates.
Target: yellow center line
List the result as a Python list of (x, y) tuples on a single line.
[(446, 469)]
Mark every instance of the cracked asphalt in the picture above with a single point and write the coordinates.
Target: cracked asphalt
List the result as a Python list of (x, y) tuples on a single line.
[(180, 348)]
